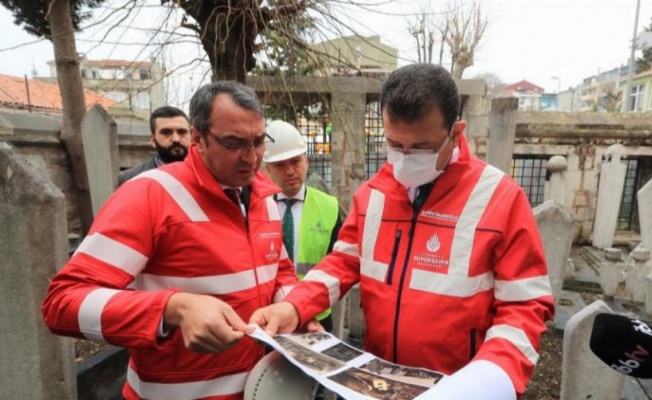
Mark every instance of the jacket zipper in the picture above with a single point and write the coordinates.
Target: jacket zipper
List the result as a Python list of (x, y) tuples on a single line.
[(400, 284), (472, 341), (392, 261)]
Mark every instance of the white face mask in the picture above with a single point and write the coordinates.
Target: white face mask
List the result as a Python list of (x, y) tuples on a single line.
[(415, 169)]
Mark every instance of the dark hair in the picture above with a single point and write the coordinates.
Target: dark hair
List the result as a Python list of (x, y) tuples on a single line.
[(201, 103), (164, 112), (410, 93)]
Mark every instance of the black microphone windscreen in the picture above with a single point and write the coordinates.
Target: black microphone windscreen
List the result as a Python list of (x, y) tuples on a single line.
[(624, 344)]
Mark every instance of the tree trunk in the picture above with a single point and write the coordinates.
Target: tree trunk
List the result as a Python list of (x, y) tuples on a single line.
[(229, 42), (72, 99)]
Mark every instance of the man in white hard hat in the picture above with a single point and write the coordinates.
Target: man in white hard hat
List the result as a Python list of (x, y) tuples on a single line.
[(311, 218)]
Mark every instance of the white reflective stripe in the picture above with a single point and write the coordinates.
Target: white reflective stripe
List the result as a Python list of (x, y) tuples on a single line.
[(474, 208), (281, 293), (89, 316), (372, 223), (331, 282), (523, 289), (266, 273), (214, 284), (350, 249), (113, 253), (222, 386), (450, 285), (517, 337), (373, 269), (284, 253), (178, 192), (272, 210)]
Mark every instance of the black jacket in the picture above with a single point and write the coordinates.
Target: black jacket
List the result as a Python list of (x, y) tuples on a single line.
[(153, 162)]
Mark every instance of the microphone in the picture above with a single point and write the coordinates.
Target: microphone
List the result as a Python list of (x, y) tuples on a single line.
[(624, 344)]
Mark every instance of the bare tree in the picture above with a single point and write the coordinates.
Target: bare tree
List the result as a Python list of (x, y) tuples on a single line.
[(422, 30), (465, 29)]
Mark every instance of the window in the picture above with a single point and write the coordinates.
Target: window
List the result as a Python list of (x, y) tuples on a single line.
[(142, 100), (144, 74), (636, 99), (530, 173), (117, 96), (375, 155), (628, 202)]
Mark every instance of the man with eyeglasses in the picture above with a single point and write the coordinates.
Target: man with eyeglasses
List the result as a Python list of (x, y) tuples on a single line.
[(448, 255), (180, 256), (169, 135)]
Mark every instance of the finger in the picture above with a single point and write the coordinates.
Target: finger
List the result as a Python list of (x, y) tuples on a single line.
[(272, 326), (258, 318), (315, 326), (234, 321)]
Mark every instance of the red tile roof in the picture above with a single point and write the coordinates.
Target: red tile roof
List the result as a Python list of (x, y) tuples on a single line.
[(13, 93), (525, 86)]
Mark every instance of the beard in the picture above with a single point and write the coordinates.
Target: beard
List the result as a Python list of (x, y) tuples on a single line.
[(175, 152)]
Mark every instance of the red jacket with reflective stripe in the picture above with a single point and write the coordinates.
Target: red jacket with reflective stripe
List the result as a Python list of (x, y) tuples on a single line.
[(464, 279), (172, 229)]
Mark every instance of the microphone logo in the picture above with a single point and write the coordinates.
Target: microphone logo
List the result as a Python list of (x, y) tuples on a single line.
[(632, 362), (642, 327)]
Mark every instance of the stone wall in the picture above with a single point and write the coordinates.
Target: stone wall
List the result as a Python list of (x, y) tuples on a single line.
[(580, 137)]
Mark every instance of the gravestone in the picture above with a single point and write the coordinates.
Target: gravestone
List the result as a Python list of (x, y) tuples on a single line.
[(555, 224), (502, 131), (610, 192), (100, 138), (34, 363), (556, 186), (610, 271), (584, 375), (644, 197), (637, 272)]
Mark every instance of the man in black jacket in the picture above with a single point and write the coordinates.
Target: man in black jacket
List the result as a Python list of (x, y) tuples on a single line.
[(170, 136)]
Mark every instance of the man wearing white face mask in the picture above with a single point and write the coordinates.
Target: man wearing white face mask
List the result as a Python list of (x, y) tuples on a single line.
[(451, 267)]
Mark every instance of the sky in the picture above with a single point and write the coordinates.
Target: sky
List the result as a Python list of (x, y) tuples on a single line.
[(552, 43)]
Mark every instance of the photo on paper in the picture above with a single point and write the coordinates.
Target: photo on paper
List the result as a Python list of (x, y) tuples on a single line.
[(318, 362), (342, 352), (375, 386), (415, 376), (307, 339)]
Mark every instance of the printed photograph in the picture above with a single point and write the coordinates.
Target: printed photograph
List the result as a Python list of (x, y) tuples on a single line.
[(342, 352), (307, 339), (415, 376), (318, 362), (376, 386)]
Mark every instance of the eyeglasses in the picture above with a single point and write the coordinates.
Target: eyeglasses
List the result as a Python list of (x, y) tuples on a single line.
[(243, 146), (420, 151)]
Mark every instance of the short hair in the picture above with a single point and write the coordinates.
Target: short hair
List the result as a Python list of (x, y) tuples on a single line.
[(410, 92), (164, 112), (201, 103)]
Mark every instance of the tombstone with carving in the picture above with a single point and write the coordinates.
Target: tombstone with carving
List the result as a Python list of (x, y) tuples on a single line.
[(610, 192)]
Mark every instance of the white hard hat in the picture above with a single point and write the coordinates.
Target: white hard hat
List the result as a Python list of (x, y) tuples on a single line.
[(288, 142)]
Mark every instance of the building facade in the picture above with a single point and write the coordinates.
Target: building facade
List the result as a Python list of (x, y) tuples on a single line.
[(134, 85)]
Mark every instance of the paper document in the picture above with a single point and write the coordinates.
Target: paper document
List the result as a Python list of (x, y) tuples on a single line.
[(347, 371)]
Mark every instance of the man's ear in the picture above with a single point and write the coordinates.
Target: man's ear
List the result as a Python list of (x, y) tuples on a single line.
[(152, 140), (458, 130), (197, 139)]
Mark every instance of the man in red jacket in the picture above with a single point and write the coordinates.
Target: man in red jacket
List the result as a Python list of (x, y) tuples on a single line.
[(446, 250), (180, 256)]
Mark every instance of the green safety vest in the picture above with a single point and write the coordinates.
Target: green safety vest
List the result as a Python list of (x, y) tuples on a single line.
[(318, 219)]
